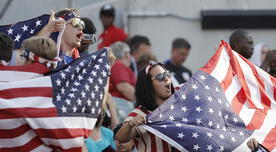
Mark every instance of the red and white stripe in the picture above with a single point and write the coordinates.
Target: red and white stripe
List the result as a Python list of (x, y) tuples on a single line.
[(28, 118), (250, 91), (147, 142), (17, 73)]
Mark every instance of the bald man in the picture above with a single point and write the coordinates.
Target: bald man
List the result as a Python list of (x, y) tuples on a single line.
[(242, 43)]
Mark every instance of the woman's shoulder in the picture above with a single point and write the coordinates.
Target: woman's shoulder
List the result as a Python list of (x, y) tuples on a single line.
[(106, 131)]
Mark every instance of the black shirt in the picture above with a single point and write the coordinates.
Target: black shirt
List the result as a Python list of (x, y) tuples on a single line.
[(181, 74)]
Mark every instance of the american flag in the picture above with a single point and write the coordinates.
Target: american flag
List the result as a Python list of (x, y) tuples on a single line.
[(58, 110), (224, 104), (25, 29)]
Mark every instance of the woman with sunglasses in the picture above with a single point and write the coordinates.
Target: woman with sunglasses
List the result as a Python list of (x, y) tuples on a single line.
[(153, 88)]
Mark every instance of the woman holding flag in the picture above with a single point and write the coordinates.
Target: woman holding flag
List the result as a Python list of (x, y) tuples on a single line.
[(153, 88)]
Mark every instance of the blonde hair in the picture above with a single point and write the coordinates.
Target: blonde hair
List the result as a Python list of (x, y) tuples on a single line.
[(41, 46)]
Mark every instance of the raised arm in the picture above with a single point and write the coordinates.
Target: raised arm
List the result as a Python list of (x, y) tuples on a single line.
[(54, 25)]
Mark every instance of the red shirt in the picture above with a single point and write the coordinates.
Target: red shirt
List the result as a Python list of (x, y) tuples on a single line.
[(110, 35), (120, 73)]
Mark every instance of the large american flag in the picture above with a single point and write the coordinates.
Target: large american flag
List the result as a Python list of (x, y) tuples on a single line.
[(224, 104), (25, 29), (58, 110)]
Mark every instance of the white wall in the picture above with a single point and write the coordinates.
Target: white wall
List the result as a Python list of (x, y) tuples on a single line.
[(19, 10), (162, 30), (92, 12)]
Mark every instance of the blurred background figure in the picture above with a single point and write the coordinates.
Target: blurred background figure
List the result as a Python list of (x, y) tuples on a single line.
[(259, 53), (242, 43), (269, 64), (111, 32), (6, 49), (122, 80), (272, 70), (139, 45), (179, 53), (143, 61), (88, 36)]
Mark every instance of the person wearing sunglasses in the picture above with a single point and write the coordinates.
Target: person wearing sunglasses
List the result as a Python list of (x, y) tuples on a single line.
[(71, 37), (88, 36), (153, 87)]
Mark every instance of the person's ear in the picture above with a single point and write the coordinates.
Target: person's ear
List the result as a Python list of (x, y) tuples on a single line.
[(173, 50)]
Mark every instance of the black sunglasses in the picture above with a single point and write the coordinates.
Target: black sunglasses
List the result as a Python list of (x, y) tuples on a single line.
[(161, 76)]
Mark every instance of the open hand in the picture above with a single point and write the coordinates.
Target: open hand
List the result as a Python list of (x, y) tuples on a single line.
[(55, 25), (111, 57)]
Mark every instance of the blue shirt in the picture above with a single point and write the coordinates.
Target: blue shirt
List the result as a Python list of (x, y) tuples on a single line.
[(105, 141), (65, 59)]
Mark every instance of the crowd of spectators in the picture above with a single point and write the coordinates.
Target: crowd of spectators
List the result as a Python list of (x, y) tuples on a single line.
[(138, 83)]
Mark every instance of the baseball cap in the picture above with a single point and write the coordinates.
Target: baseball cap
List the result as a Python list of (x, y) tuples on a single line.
[(108, 10)]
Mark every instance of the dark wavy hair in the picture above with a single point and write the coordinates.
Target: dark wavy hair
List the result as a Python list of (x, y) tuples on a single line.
[(144, 91)]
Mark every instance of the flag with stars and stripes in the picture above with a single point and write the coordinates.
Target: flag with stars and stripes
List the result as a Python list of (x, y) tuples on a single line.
[(53, 111), (25, 29), (225, 103)]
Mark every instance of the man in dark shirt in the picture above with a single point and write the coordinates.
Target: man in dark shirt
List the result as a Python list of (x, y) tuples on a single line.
[(180, 52), (139, 45)]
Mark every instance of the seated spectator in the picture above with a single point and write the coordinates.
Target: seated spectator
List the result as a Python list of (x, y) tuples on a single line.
[(259, 53), (143, 61), (88, 36), (6, 49), (39, 50), (122, 80)]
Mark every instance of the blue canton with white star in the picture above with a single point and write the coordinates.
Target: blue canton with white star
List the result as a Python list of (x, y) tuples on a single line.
[(78, 89), (199, 118), (25, 29)]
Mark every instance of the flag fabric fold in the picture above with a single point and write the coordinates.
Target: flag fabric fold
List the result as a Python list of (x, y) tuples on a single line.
[(25, 29), (224, 104), (28, 28), (53, 111)]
